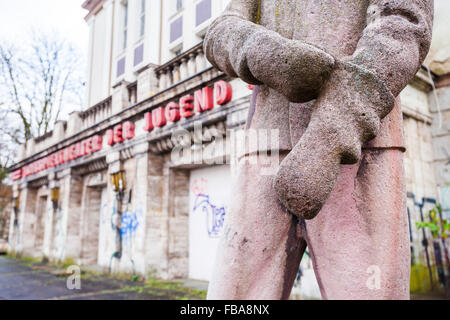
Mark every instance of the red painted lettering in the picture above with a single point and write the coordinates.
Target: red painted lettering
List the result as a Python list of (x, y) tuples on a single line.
[(223, 92), (97, 143), (159, 117), (118, 134), (204, 99), (128, 130), (16, 175), (173, 112), (110, 137), (148, 122), (186, 106)]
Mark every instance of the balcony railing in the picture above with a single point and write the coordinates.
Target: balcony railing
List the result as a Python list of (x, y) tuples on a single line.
[(182, 67), (96, 113)]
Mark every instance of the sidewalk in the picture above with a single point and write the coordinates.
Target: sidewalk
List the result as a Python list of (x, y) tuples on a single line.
[(31, 280)]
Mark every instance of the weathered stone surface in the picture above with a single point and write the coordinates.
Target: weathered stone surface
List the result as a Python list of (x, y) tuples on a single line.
[(352, 100), (364, 55), (262, 56), (342, 121)]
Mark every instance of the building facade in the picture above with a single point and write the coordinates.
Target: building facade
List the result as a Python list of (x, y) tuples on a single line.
[(140, 181)]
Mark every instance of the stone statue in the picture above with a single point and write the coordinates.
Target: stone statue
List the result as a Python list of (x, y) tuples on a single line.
[(327, 74)]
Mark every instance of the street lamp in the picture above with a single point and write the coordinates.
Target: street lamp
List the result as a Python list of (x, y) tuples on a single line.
[(54, 197), (118, 182)]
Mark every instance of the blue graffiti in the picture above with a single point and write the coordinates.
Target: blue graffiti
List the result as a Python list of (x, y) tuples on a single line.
[(129, 225), (215, 216), (129, 222)]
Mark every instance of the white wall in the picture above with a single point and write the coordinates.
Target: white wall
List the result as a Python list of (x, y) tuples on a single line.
[(106, 40), (99, 56), (191, 34), (439, 56), (209, 198), (106, 45)]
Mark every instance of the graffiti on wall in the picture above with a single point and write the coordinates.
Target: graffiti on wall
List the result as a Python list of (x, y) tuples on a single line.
[(214, 214), (125, 225), (130, 223)]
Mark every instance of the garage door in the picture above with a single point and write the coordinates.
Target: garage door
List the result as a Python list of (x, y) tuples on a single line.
[(209, 196)]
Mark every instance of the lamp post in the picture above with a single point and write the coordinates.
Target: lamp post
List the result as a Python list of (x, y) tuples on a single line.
[(16, 209), (119, 186), (54, 196)]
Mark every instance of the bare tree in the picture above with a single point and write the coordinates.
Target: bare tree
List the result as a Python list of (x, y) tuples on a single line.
[(6, 154), (40, 82), (5, 209), (5, 190)]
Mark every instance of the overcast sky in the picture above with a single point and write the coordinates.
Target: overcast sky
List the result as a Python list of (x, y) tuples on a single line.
[(18, 17)]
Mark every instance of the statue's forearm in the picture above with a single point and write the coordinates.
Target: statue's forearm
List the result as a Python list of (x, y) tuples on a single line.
[(359, 93), (242, 48), (392, 48), (395, 41)]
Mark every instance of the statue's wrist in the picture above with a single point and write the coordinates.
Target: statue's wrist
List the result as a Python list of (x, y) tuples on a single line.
[(293, 68), (357, 97)]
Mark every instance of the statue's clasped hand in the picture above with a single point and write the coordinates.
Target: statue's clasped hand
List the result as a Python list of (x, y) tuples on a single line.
[(293, 68), (348, 111)]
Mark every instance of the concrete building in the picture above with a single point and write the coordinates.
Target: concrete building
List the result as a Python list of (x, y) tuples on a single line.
[(140, 181)]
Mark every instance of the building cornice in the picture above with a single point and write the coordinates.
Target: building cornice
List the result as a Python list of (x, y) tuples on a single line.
[(443, 81), (93, 6), (134, 111)]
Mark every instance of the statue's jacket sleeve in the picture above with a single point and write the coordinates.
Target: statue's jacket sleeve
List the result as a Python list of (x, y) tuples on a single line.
[(237, 44), (395, 41), (227, 36), (392, 45)]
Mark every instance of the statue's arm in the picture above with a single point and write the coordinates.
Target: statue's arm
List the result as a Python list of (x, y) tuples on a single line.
[(360, 92), (396, 40), (228, 34), (392, 48), (239, 46)]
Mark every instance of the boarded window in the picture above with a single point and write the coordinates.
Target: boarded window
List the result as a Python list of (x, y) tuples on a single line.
[(121, 67), (138, 54), (203, 12), (176, 29)]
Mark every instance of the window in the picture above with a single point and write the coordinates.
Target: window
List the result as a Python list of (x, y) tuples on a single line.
[(125, 24), (179, 5), (142, 19), (121, 67), (139, 54), (203, 12), (176, 29)]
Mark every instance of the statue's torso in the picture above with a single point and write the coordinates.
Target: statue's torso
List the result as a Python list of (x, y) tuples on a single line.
[(332, 25), (335, 26)]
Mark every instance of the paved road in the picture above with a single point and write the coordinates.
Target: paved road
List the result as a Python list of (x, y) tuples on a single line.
[(20, 280)]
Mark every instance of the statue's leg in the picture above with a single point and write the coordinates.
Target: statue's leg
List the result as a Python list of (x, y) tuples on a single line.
[(359, 241), (259, 254)]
